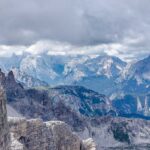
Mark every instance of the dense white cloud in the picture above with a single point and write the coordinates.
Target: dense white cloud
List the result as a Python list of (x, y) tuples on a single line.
[(59, 48), (7, 51), (119, 27)]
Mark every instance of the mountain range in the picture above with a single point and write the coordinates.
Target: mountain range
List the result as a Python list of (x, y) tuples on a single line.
[(108, 75), (90, 114)]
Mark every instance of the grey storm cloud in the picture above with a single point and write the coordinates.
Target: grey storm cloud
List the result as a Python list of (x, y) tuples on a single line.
[(77, 22)]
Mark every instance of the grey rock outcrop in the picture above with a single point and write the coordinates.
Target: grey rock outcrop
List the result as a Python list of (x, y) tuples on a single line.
[(112, 133), (34, 134), (38, 135), (4, 131), (89, 144), (11, 87)]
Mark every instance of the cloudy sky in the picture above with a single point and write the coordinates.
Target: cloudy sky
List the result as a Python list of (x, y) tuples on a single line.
[(115, 27)]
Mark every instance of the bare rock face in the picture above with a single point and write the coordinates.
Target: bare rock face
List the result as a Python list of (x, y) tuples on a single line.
[(63, 137), (38, 135), (112, 133), (12, 88), (89, 144), (2, 77), (4, 132), (34, 134)]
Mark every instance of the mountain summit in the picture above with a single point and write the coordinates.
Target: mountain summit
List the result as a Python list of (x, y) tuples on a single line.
[(102, 73)]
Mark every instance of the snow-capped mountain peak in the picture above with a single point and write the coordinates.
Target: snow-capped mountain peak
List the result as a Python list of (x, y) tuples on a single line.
[(102, 73)]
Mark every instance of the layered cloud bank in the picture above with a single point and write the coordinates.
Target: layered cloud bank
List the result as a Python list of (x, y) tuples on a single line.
[(81, 26), (59, 48)]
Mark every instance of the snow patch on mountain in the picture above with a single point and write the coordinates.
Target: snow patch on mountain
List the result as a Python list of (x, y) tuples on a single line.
[(102, 73)]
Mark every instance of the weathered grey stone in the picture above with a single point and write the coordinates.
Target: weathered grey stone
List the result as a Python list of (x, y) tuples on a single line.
[(34, 134), (63, 137), (38, 135), (4, 132), (89, 144)]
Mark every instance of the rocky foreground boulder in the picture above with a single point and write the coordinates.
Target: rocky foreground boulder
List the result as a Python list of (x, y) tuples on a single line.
[(38, 135), (22, 134), (4, 130)]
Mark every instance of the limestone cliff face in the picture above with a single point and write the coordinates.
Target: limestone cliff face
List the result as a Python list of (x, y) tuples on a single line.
[(12, 88), (22, 134), (38, 135), (4, 132)]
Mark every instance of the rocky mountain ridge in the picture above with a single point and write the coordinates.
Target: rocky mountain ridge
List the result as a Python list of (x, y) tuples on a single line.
[(22, 134), (96, 72), (63, 103)]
